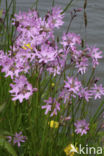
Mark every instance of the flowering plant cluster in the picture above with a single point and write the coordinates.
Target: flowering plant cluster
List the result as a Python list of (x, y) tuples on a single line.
[(46, 77)]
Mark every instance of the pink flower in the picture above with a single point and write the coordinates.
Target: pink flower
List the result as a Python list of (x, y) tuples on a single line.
[(97, 91), (81, 127), (56, 108), (48, 105), (65, 95), (10, 68), (72, 88), (54, 68), (56, 18), (21, 89), (85, 93), (18, 138), (46, 54), (95, 55), (82, 65), (72, 85), (51, 106), (70, 40)]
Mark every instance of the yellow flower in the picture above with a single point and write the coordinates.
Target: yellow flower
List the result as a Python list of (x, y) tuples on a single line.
[(70, 150), (53, 124), (27, 46)]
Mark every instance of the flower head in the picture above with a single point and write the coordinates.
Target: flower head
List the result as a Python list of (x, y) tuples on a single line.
[(18, 138), (81, 127), (72, 85), (51, 106), (70, 40), (21, 89), (46, 54), (82, 65), (56, 18), (85, 93), (95, 54)]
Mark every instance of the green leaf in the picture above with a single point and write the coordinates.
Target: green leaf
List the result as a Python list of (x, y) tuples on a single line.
[(1, 13), (7, 146), (2, 107), (67, 7)]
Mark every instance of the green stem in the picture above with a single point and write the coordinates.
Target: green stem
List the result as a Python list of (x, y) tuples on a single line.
[(53, 3), (73, 121), (69, 25), (83, 109), (90, 79), (44, 136), (67, 7), (12, 29), (98, 113), (78, 106), (36, 4), (7, 20)]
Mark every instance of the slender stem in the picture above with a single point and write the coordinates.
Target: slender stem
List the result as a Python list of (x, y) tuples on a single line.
[(6, 25), (73, 121), (36, 4), (98, 112), (44, 135), (69, 25), (78, 106), (67, 7), (7, 20), (53, 3), (90, 79), (7, 10), (83, 109), (12, 29)]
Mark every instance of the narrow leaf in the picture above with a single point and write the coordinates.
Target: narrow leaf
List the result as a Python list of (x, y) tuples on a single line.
[(2, 107), (85, 4), (68, 5), (7, 146)]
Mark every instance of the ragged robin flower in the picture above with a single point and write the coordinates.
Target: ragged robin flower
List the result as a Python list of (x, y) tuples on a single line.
[(21, 89), (51, 106), (81, 127)]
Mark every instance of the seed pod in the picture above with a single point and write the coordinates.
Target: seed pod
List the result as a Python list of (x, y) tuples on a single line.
[(85, 4), (85, 19), (82, 43)]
